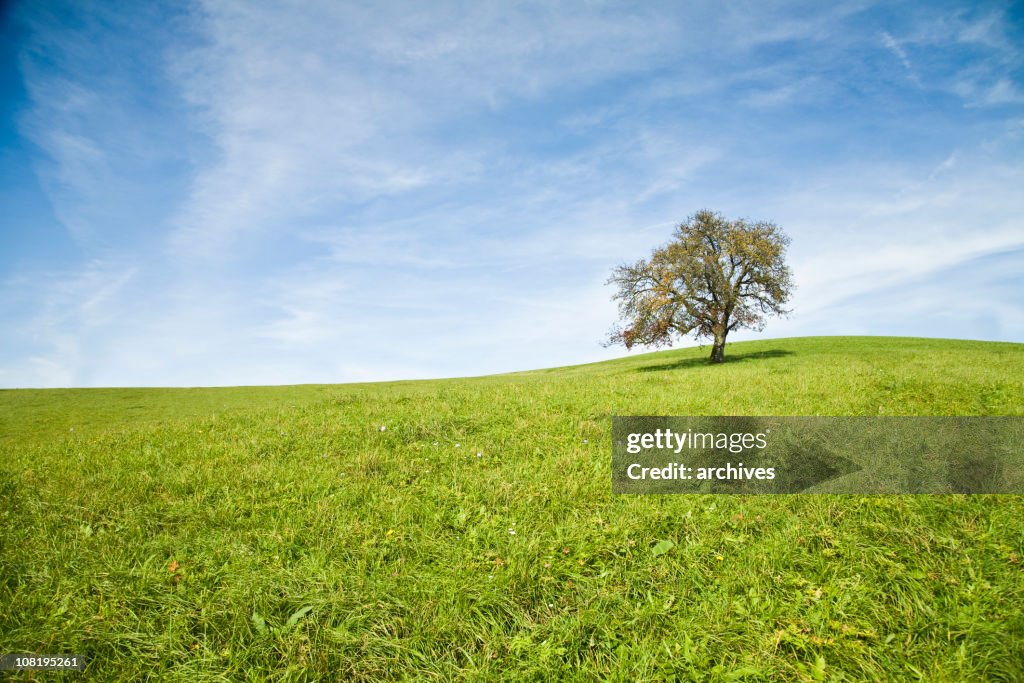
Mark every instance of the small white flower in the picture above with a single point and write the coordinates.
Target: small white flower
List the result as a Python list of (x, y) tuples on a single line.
[(435, 443), (458, 445), (512, 531), (383, 428), (551, 604), (586, 440), (479, 455)]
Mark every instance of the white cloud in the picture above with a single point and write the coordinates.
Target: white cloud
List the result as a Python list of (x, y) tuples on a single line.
[(1003, 91), (901, 54), (946, 164), (341, 103), (71, 312)]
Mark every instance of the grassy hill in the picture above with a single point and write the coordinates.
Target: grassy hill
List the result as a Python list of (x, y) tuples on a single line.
[(279, 533)]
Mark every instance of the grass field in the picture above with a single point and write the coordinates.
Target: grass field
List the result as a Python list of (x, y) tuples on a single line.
[(277, 533)]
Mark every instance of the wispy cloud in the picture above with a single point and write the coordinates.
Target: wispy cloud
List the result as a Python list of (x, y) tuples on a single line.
[(341, 104), (901, 54), (71, 314), (981, 93), (946, 164)]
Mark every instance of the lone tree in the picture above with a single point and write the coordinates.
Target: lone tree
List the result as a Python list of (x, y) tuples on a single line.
[(715, 276)]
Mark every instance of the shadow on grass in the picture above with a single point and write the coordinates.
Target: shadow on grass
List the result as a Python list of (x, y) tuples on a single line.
[(729, 359)]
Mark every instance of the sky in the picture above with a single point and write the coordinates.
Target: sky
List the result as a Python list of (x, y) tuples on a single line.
[(240, 193)]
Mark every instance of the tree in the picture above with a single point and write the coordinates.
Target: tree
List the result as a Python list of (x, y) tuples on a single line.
[(713, 277)]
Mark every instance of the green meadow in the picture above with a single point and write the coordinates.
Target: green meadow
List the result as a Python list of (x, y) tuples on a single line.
[(465, 529)]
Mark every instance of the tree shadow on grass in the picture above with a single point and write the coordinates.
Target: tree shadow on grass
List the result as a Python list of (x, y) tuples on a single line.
[(729, 360)]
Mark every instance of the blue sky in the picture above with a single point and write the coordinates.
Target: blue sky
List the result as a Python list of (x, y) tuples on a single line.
[(222, 193)]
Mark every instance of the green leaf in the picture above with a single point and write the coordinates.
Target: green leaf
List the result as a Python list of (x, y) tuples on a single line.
[(259, 622), (818, 670), (294, 619), (662, 548)]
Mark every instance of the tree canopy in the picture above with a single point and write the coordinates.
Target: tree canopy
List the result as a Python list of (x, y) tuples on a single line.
[(713, 277)]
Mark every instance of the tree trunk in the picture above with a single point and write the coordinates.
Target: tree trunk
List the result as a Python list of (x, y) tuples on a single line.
[(718, 349)]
